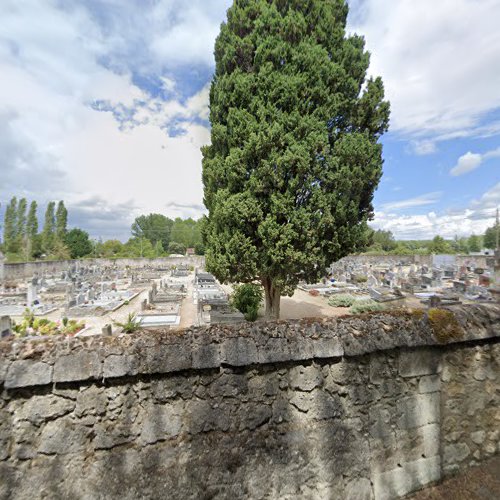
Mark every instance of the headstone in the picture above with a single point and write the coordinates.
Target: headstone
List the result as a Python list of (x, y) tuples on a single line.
[(107, 330)]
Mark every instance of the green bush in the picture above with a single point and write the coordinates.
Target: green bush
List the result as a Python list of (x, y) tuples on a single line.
[(247, 298), (342, 300), (364, 306)]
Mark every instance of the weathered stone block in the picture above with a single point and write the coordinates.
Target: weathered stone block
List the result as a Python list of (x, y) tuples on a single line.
[(206, 356), (419, 362), (238, 351), (117, 365), (359, 489), (327, 348), (39, 409), (418, 410), (82, 365), (305, 378), (276, 350), (455, 453), (26, 373), (405, 479), (160, 422), (62, 436), (429, 383), (166, 359)]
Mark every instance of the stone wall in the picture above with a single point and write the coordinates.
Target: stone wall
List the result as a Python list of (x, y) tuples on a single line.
[(25, 270), (364, 407)]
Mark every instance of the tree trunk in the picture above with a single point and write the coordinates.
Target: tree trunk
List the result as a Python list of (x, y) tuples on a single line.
[(273, 297)]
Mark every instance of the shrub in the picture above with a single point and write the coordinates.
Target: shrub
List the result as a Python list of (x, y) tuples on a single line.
[(364, 306), (129, 326), (342, 300), (247, 298), (360, 278)]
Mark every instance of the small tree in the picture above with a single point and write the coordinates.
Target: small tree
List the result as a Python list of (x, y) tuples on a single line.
[(247, 299), (175, 247), (490, 237), (474, 243), (78, 242)]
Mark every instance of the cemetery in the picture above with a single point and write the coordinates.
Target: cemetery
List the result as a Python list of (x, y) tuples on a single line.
[(166, 295)]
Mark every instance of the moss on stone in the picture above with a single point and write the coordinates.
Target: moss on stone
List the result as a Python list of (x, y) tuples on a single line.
[(444, 325)]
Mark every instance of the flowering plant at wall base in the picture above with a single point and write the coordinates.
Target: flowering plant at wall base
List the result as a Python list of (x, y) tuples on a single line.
[(31, 326)]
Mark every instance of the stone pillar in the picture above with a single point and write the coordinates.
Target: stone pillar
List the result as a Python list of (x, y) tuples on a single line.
[(107, 330)]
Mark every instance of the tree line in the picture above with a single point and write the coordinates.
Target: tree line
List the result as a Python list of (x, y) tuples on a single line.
[(153, 235), (383, 242), (22, 239)]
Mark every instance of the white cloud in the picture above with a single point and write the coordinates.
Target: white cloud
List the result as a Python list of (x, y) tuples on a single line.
[(490, 199), (55, 144), (476, 218), (418, 201), (437, 60), (425, 147), (470, 161)]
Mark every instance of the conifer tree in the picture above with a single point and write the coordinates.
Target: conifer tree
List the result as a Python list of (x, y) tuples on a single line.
[(61, 221), (10, 226), (21, 224), (295, 156), (48, 231), (32, 228)]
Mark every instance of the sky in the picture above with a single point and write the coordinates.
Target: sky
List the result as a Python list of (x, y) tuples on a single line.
[(104, 104)]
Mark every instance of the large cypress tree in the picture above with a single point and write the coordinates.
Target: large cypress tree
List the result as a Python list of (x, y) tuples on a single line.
[(295, 155)]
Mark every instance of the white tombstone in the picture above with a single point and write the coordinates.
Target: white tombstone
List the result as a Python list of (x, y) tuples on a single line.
[(32, 294)]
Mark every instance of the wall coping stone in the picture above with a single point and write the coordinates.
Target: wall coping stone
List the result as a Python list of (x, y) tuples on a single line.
[(25, 363)]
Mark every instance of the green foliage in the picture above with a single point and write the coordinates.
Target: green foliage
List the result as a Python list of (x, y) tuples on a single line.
[(474, 243), (10, 241), (175, 247), (110, 249), (490, 236), (295, 154), (199, 249), (440, 246), (342, 300), (383, 240), (158, 249), (153, 227), (59, 251), (247, 299), (366, 305), (48, 231), (460, 245), (61, 224), (131, 325), (30, 325), (78, 242), (186, 232), (33, 242), (138, 247)]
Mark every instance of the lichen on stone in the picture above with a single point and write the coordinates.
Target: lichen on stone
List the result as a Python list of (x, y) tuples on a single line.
[(445, 325)]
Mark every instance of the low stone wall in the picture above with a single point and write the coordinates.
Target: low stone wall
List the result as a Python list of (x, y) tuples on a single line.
[(25, 270), (363, 407)]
